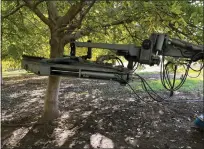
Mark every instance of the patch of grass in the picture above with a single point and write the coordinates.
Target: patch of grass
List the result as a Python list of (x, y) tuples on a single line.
[(7, 74), (191, 73), (147, 73), (189, 86)]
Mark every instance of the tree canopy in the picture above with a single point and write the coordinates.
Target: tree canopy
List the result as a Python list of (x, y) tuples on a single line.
[(23, 32)]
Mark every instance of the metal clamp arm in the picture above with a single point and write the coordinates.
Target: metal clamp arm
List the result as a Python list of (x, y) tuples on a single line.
[(182, 49), (161, 44), (129, 49)]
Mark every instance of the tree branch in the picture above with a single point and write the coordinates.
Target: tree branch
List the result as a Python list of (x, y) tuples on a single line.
[(177, 30), (87, 31), (13, 11), (33, 7), (86, 11), (38, 2), (77, 35), (173, 15), (119, 22), (71, 13), (170, 25), (52, 11), (78, 23), (132, 36)]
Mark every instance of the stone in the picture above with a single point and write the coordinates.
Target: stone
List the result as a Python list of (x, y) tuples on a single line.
[(100, 141), (161, 112)]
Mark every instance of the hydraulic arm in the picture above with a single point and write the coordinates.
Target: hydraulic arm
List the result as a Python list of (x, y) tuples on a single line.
[(150, 50), (149, 53)]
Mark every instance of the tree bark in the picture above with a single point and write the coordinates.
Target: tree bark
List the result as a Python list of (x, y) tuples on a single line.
[(51, 110), (57, 43)]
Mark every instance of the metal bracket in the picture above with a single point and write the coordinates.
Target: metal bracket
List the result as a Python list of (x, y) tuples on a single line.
[(46, 67)]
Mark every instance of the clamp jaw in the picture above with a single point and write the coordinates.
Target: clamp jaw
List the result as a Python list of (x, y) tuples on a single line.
[(75, 67)]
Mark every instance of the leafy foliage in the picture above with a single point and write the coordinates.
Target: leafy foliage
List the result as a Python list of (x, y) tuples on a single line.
[(110, 22)]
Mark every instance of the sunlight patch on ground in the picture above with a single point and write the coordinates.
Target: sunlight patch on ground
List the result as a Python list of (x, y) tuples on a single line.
[(102, 83), (84, 93), (5, 117), (65, 115), (96, 92), (74, 142), (67, 85), (87, 95), (63, 132), (28, 102), (21, 108), (111, 98), (106, 108), (100, 141), (85, 82), (70, 95), (16, 136), (86, 114), (116, 107), (130, 99), (25, 79), (132, 141), (16, 95), (77, 110), (96, 102), (37, 92), (61, 135)]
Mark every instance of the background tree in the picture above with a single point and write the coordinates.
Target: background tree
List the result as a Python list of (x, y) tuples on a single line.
[(41, 27)]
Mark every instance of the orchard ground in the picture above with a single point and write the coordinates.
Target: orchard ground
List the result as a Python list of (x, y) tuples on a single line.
[(91, 107)]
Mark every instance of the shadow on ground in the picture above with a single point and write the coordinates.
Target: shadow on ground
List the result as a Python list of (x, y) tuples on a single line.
[(89, 107)]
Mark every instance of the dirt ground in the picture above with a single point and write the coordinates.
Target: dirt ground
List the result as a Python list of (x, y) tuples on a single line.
[(91, 107)]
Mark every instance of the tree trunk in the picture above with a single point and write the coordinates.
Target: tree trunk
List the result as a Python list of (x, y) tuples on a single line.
[(1, 76), (51, 110)]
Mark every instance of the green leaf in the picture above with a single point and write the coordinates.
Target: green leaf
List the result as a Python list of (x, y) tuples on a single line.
[(176, 25), (193, 14), (196, 21), (176, 8), (181, 20), (13, 51)]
